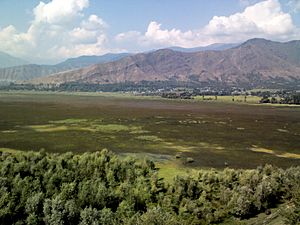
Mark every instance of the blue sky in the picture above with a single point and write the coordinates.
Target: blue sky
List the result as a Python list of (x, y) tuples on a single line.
[(130, 14), (52, 30)]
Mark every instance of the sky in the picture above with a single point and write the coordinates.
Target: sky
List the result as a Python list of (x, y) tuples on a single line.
[(50, 31)]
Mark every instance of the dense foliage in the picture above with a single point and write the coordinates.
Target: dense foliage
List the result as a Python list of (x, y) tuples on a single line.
[(143, 86), (292, 98), (100, 188)]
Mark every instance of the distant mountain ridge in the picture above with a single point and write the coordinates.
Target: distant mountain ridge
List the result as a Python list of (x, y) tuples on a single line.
[(87, 60), (7, 60), (31, 71), (250, 63), (212, 47)]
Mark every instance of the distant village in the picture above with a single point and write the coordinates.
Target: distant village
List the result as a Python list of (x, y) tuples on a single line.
[(169, 91)]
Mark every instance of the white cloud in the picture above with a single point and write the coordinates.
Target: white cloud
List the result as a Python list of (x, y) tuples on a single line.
[(59, 11), (94, 23), (155, 37), (92, 48), (80, 35), (14, 42), (128, 36), (264, 19), (89, 30), (59, 30), (172, 37)]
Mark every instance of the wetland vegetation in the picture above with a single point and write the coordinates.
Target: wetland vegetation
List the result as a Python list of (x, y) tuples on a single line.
[(214, 133)]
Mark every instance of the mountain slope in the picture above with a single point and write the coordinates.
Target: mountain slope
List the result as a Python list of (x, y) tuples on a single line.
[(31, 71), (26, 72), (253, 61), (84, 61), (7, 60)]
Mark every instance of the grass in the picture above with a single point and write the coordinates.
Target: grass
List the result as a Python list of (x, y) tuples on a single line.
[(150, 138), (111, 128), (48, 128), (168, 170), (82, 125), (168, 166), (281, 154), (9, 150), (69, 121), (213, 133)]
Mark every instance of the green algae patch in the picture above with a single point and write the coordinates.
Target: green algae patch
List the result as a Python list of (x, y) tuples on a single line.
[(110, 128), (54, 128), (149, 138), (272, 152), (9, 150), (69, 121)]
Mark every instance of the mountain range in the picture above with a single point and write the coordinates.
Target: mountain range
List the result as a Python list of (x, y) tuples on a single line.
[(251, 63), (7, 60), (31, 71), (212, 47), (14, 69)]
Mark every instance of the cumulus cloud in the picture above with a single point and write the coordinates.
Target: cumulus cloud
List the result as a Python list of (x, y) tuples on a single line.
[(94, 23), (58, 11), (89, 30), (92, 48), (59, 30), (174, 36), (264, 19), (14, 42), (156, 36)]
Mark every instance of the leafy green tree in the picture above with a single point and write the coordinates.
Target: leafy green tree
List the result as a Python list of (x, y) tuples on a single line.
[(292, 209), (34, 208), (101, 188), (90, 216)]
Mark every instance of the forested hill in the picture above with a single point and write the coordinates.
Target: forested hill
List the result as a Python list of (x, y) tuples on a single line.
[(100, 188)]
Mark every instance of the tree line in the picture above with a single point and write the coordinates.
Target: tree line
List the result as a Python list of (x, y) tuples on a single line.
[(101, 188), (290, 98)]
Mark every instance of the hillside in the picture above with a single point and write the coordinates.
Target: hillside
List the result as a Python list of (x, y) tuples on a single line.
[(250, 64), (31, 71), (85, 60), (7, 60)]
